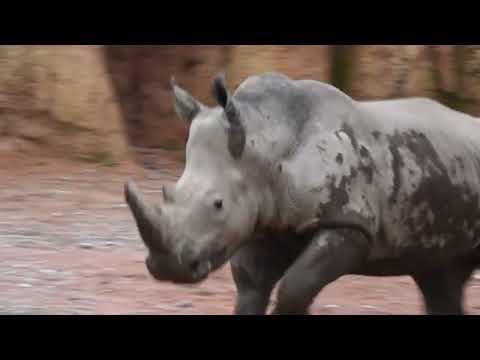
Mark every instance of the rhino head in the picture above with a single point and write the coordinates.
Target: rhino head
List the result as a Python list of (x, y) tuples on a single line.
[(211, 210)]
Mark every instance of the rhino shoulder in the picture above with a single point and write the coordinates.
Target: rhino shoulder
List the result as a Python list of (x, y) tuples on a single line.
[(294, 98)]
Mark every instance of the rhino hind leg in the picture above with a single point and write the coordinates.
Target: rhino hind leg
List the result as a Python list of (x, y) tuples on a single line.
[(256, 268), (330, 255), (443, 289)]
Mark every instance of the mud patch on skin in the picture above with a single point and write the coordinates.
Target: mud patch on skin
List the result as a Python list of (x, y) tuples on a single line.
[(339, 195), (339, 159), (424, 155), (433, 197), (364, 153), (397, 162), (335, 212), (376, 134), (460, 162), (438, 191), (477, 166), (367, 166), (348, 130), (321, 148)]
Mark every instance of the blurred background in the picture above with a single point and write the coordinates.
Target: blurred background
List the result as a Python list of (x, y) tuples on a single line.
[(77, 121), (92, 102)]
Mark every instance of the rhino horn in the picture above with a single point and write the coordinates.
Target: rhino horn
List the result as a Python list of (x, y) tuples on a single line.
[(147, 219), (161, 262)]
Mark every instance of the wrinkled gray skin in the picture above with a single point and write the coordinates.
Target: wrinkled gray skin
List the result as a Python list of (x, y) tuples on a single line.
[(293, 181)]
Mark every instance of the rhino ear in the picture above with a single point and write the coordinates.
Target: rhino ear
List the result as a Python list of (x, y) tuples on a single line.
[(219, 90), (235, 129), (186, 106)]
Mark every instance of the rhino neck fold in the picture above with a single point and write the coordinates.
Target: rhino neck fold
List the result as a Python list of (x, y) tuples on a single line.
[(262, 198)]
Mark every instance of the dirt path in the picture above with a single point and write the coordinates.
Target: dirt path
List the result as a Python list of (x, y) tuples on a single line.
[(68, 245)]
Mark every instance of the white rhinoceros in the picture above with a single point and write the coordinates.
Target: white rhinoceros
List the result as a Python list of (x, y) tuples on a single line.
[(295, 181)]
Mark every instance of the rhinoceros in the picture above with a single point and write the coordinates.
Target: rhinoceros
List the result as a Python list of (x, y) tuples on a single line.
[(296, 183)]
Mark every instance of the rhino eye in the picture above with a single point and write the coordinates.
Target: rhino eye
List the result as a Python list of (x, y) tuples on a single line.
[(218, 204)]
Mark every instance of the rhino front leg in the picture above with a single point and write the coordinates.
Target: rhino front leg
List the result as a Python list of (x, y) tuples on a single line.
[(256, 268), (331, 254)]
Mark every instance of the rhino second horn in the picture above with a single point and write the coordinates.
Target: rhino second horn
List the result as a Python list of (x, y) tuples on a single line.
[(168, 193), (146, 217)]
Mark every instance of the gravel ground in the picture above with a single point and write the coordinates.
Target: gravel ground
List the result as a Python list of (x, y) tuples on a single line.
[(68, 245)]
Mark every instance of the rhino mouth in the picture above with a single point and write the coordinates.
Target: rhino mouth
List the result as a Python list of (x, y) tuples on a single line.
[(163, 261), (167, 267), (202, 268)]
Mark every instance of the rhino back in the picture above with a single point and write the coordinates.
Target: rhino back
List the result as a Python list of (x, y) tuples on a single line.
[(430, 179), (406, 171)]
